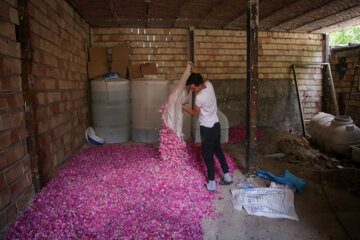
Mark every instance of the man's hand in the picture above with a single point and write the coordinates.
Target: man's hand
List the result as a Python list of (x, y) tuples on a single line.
[(193, 70), (195, 111)]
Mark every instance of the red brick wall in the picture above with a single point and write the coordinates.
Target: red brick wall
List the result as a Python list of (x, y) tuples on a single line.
[(59, 41), (342, 83), (221, 56), (168, 48), (59, 38), (15, 174)]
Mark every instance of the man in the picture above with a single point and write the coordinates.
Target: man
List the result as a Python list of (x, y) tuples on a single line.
[(206, 107)]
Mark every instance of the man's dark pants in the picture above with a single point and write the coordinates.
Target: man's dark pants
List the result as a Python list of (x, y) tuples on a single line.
[(210, 145)]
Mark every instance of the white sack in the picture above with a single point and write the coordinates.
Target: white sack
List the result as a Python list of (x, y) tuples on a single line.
[(277, 201), (172, 112)]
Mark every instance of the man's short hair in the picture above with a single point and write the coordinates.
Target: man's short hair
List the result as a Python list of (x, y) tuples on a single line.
[(195, 78)]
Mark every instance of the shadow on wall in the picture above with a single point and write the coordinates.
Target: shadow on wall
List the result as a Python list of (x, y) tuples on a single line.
[(277, 103)]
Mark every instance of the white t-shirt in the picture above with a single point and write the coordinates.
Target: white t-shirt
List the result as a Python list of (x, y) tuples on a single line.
[(206, 101)]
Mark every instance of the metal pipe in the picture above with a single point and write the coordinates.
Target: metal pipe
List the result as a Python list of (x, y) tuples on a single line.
[(309, 64)]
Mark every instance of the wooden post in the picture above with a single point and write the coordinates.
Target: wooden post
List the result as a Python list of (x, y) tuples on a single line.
[(325, 81), (252, 83), (333, 93), (192, 59), (299, 102), (32, 140), (192, 45)]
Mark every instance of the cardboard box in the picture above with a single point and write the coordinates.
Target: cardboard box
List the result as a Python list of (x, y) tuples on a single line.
[(120, 67), (148, 69), (134, 71), (98, 54), (97, 69), (121, 52)]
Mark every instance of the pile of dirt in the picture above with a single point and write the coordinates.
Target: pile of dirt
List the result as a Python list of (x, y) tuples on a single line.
[(296, 149)]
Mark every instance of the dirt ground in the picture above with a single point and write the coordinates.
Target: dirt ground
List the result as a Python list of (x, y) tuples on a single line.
[(328, 209)]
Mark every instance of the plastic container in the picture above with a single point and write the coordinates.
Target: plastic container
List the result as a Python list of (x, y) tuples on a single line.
[(111, 109), (147, 98), (224, 124), (318, 128), (334, 134)]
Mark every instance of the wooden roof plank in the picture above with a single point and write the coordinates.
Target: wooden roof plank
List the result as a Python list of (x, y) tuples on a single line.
[(340, 17), (292, 10), (266, 8), (274, 15), (223, 11), (338, 26), (316, 14)]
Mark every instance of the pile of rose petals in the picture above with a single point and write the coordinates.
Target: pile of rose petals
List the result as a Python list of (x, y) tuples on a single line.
[(123, 192), (173, 149), (238, 134)]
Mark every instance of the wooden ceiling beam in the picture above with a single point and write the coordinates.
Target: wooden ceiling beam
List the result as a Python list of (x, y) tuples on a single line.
[(329, 11), (166, 12), (290, 10), (180, 12), (243, 15), (147, 12), (337, 26), (113, 12), (210, 11), (275, 15), (111, 22)]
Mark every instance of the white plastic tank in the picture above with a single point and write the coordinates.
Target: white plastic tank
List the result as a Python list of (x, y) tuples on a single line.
[(147, 95), (334, 134), (111, 109), (186, 128), (318, 128), (224, 124)]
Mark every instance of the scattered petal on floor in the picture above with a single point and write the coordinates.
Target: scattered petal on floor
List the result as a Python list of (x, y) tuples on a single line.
[(123, 192), (238, 134)]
